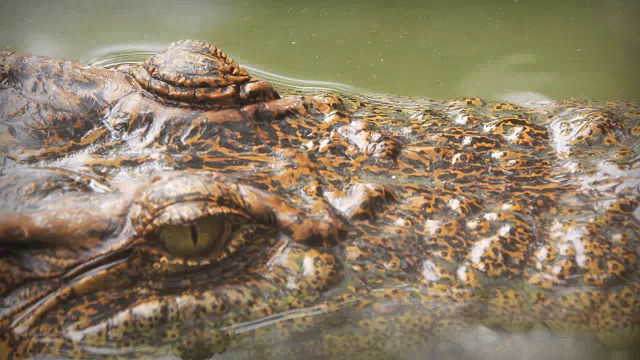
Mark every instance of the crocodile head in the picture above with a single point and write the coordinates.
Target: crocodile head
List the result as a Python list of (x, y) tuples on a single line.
[(181, 207)]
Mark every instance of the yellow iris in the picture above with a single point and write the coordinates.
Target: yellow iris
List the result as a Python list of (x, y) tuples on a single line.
[(197, 238)]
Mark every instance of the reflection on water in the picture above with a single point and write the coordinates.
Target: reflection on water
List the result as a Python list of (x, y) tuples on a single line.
[(115, 56), (439, 49), (471, 343), (510, 78), (121, 55)]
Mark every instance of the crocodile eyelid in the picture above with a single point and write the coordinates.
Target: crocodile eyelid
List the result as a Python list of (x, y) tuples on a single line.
[(178, 199)]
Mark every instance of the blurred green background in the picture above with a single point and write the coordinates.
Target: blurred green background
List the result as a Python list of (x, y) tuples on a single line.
[(497, 50)]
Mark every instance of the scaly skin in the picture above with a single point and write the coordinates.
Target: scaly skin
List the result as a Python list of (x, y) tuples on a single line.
[(143, 217)]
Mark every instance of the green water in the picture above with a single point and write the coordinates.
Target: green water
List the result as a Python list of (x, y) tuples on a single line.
[(500, 50)]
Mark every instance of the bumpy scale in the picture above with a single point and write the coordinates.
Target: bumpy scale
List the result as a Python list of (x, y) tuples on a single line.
[(181, 207)]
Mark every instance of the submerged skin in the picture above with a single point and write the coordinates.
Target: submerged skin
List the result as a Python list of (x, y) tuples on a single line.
[(140, 217)]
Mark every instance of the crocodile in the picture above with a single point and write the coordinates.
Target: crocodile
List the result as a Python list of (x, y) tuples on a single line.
[(180, 208)]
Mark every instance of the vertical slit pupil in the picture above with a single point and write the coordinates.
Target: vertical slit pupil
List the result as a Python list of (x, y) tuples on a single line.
[(194, 234)]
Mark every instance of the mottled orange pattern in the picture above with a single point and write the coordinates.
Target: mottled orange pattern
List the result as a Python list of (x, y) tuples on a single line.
[(180, 207)]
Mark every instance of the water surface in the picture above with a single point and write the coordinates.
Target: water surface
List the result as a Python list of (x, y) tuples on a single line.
[(499, 50)]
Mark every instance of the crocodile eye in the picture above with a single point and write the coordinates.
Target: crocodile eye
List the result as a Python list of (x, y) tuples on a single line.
[(198, 238)]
